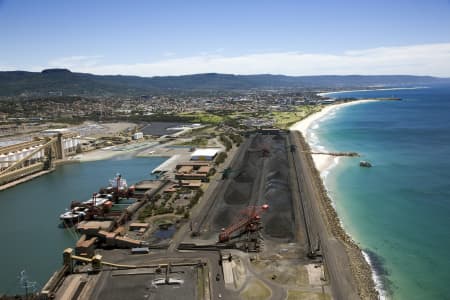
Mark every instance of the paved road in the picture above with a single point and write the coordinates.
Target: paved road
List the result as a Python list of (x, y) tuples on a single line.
[(336, 260)]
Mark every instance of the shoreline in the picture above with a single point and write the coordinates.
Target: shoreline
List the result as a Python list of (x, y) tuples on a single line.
[(112, 151), (373, 90), (362, 269), (94, 155), (324, 163)]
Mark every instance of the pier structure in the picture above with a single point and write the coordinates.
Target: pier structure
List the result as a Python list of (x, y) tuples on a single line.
[(28, 158)]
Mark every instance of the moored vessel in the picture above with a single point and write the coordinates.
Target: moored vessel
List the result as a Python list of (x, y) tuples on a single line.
[(365, 164), (98, 203)]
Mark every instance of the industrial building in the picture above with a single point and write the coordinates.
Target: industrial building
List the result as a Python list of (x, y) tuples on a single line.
[(197, 171), (26, 158), (207, 154), (138, 136)]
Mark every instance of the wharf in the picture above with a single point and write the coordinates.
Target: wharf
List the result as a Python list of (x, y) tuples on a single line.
[(351, 154), (170, 164), (24, 179)]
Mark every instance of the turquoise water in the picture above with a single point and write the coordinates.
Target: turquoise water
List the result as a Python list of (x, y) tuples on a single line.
[(31, 239), (398, 210)]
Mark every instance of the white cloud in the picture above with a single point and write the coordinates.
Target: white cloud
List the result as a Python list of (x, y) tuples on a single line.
[(79, 61), (7, 68), (427, 59), (169, 54)]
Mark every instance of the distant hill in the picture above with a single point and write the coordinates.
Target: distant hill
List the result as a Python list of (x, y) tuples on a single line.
[(14, 83)]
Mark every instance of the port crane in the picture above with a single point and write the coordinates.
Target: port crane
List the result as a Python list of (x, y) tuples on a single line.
[(248, 220)]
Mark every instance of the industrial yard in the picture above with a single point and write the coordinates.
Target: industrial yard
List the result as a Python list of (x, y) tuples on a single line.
[(235, 219), (239, 232)]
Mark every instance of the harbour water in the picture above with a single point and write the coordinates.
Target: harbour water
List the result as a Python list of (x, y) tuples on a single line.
[(31, 239), (398, 211)]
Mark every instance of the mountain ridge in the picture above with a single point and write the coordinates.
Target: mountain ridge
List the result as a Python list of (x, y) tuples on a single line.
[(15, 83)]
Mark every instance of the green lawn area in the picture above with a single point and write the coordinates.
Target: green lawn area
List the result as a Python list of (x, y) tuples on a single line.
[(197, 142), (204, 117), (285, 119)]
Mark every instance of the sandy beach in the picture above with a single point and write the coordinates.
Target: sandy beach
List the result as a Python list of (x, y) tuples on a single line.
[(323, 162), (371, 90)]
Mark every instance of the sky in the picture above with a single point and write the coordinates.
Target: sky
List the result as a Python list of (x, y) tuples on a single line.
[(174, 37)]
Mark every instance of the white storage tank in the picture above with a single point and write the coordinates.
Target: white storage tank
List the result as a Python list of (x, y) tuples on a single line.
[(3, 163), (19, 155), (24, 153), (12, 157), (34, 157), (40, 154)]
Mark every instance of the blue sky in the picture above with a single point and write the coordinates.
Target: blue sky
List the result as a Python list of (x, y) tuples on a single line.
[(233, 36)]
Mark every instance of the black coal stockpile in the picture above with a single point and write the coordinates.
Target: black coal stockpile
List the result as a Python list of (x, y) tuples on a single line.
[(261, 178), (278, 220)]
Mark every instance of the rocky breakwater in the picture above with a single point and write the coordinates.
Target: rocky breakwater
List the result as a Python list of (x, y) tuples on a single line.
[(360, 268)]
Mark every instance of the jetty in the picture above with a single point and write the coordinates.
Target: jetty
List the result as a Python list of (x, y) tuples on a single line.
[(388, 99), (24, 179), (350, 154)]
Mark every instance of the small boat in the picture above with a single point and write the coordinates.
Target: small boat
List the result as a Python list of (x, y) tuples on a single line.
[(98, 199), (365, 164), (74, 215)]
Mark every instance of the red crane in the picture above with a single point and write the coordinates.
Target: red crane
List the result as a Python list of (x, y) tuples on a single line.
[(247, 220)]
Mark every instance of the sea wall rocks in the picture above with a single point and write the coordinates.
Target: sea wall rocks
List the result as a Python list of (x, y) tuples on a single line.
[(360, 268)]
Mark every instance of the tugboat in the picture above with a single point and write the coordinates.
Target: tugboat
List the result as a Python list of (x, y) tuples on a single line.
[(365, 164)]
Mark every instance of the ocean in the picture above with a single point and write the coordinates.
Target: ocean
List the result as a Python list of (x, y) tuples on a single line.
[(31, 238), (398, 211)]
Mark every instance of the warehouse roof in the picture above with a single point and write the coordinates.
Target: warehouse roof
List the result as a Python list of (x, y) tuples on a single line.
[(206, 152)]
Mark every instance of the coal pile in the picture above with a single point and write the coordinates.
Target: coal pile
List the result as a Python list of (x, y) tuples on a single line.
[(278, 221), (260, 178)]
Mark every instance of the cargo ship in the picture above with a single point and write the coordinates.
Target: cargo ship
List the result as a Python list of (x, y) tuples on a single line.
[(98, 203), (79, 210), (118, 187)]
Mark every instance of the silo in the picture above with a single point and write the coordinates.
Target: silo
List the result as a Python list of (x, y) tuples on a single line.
[(40, 154), (19, 155), (66, 144), (12, 158), (3, 163), (34, 157), (26, 152)]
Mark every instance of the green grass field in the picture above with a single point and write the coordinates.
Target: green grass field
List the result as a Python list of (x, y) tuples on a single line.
[(286, 119)]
